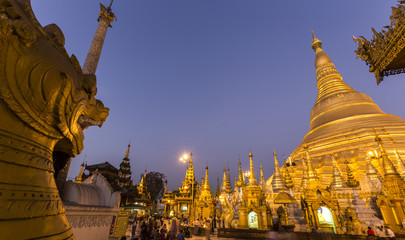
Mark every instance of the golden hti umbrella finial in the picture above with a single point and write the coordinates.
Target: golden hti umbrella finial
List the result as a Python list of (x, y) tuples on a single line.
[(127, 153), (252, 177), (78, 179), (277, 182), (207, 186), (224, 182)]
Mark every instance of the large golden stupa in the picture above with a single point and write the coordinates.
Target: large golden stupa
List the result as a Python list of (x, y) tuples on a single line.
[(349, 163), (344, 123)]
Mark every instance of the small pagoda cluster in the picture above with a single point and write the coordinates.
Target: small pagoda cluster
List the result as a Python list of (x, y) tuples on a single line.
[(132, 196), (347, 174)]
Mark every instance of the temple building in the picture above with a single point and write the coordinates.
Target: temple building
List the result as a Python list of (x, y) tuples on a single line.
[(385, 51), (180, 203), (204, 207), (124, 174), (253, 210), (347, 172)]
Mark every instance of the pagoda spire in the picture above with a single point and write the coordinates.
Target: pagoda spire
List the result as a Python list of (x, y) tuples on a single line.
[(326, 87), (337, 178), (277, 182), (142, 188), (78, 179), (241, 178), (252, 177), (228, 182), (224, 181), (127, 153), (335, 100), (388, 167), (106, 16), (217, 192), (207, 186), (311, 171), (190, 171), (124, 173), (262, 180)]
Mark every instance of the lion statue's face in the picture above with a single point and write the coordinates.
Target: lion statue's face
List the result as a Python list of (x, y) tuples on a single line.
[(41, 83)]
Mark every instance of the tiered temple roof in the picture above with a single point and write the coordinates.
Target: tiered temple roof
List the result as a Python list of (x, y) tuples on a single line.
[(385, 51)]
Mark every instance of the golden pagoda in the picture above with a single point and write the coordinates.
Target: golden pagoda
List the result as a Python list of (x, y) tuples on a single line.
[(205, 203), (253, 211), (142, 187), (342, 123), (180, 203), (333, 162), (277, 181)]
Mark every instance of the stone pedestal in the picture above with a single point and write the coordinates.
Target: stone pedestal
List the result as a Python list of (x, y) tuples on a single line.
[(90, 222)]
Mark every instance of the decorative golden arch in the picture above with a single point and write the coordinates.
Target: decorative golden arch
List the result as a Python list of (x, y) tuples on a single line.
[(331, 205)]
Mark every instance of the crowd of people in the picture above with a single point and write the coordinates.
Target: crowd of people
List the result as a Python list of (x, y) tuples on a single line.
[(152, 228)]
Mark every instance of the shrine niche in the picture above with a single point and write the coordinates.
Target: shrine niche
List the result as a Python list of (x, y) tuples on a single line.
[(253, 222)]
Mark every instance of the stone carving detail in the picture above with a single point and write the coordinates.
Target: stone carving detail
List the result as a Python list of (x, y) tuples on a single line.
[(89, 221)]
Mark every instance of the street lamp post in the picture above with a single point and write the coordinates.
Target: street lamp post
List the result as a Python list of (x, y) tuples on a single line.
[(185, 159)]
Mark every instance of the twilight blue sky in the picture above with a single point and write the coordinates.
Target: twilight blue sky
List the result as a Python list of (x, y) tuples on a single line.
[(215, 76)]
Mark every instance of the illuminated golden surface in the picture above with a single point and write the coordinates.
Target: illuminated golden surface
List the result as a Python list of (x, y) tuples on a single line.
[(46, 102), (342, 123), (352, 145)]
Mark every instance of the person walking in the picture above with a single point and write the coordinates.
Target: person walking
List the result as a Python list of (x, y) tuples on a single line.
[(171, 235), (196, 226), (162, 235), (180, 236), (144, 231)]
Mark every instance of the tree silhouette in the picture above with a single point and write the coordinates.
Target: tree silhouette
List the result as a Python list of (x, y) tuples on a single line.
[(155, 185)]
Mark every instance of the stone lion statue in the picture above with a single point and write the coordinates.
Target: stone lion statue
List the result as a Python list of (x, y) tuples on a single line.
[(46, 102)]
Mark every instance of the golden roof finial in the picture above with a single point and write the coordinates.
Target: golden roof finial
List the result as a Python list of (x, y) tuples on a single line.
[(127, 153), (321, 57), (277, 182), (224, 181), (316, 43), (252, 177), (79, 176), (206, 182)]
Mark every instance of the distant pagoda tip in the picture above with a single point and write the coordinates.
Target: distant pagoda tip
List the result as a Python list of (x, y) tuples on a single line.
[(316, 43)]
